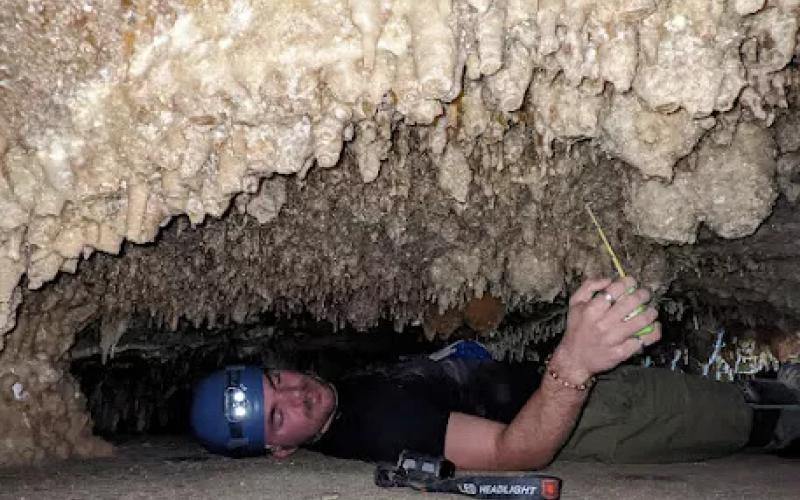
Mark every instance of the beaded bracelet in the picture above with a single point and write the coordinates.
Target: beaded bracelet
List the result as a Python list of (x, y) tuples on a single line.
[(579, 387)]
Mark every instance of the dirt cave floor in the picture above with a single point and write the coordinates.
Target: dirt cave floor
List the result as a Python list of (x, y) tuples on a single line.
[(177, 468)]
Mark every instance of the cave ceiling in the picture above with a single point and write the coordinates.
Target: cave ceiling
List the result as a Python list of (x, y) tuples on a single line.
[(207, 161)]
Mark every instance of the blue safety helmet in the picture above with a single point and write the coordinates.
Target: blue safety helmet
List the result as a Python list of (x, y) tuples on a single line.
[(228, 411)]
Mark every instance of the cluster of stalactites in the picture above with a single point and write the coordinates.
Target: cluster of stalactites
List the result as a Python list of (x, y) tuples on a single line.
[(205, 99)]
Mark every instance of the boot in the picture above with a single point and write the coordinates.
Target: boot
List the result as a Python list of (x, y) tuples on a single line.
[(776, 411), (786, 440)]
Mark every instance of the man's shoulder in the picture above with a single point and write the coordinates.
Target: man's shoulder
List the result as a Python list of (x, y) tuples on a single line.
[(378, 416), (372, 390)]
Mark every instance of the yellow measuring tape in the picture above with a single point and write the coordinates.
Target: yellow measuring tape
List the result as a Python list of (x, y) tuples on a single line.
[(649, 328), (606, 243)]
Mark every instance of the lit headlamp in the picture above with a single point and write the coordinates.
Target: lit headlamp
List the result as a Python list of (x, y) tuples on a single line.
[(237, 407)]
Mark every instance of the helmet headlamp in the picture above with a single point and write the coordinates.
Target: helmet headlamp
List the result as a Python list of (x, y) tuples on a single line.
[(237, 407), (228, 411)]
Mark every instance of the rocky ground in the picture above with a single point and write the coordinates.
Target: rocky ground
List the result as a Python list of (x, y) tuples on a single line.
[(176, 468)]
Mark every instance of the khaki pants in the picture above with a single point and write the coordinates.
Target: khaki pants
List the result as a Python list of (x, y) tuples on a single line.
[(653, 415)]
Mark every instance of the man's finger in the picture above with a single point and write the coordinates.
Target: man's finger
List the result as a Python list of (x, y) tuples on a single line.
[(627, 304), (653, 337), (587, 289), (633, 345), (608, 296), (623, 330)]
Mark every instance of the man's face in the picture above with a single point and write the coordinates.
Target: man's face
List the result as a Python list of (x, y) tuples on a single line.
[(296, 407)]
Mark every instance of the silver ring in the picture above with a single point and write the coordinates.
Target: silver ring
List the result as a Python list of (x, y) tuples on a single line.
[(609, 298)]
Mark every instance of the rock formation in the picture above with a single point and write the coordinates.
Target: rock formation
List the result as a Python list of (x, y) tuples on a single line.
[(361, 159)]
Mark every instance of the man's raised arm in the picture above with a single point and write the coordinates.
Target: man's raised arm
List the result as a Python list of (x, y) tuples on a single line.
[(599, 336)]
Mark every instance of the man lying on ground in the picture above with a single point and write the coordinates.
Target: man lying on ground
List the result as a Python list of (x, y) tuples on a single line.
[(488, 415)]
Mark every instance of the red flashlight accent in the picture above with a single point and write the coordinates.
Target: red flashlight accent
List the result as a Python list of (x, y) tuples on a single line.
[(550, 489)]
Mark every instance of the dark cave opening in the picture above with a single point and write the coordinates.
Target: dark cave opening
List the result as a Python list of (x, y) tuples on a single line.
[(143, 384)]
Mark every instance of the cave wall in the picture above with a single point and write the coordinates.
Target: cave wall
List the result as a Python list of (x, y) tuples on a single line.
[(374, 159)]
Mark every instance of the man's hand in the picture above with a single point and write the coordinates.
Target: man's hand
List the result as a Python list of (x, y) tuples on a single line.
[(601, 327)]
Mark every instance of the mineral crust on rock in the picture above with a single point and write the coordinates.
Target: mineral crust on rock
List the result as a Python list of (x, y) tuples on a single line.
[(460, 141)]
